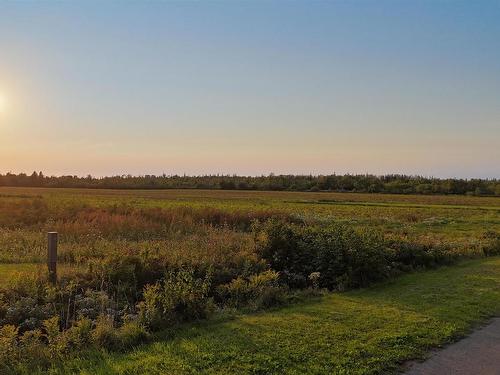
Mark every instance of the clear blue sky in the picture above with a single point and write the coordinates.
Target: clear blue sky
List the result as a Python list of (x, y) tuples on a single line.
[(251, 87)]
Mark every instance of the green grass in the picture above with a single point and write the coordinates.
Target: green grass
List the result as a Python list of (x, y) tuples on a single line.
[(366, 331), (9, 271)]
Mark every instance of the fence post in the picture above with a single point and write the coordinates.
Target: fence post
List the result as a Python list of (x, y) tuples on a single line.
[(52, 256)]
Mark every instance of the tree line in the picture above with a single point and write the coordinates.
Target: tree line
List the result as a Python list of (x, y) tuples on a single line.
[(394, 183)]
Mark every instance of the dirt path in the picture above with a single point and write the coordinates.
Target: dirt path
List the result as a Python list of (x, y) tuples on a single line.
[(477, 354)]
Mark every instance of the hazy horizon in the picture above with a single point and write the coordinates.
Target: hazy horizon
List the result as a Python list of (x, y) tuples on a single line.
[(250, 88)]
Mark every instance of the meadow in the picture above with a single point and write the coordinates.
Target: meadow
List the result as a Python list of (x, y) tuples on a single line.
[(139, 266)]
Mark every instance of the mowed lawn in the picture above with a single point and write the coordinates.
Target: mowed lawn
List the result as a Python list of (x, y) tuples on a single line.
[(367, 331)]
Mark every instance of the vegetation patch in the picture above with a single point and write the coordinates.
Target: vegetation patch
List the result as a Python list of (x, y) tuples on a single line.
[(134, 265), (368, 331)]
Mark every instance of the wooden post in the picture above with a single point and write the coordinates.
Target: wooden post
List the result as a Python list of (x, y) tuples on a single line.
[(52, 256)]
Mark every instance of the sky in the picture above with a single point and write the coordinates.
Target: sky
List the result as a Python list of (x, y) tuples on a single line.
[(250, 87)]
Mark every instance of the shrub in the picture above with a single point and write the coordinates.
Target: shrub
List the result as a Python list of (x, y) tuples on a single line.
[(78, 336), (104, 333), (56, 340), (150, 309), (9, 352), (132, 333), (23, 302), (257, 291), (178, 297), (409, 255), (342, 256), (33, 349), (492, 243), (279, 243), (18, 349), (367, 257)]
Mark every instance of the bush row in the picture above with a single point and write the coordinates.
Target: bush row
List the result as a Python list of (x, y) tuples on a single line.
[(337, 256)]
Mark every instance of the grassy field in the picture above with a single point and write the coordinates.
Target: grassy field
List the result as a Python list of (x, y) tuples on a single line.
[(115, 244), (457, 220), (441, 216), (367, 331)]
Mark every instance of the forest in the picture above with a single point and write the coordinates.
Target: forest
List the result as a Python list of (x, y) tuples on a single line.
[(389, 184)]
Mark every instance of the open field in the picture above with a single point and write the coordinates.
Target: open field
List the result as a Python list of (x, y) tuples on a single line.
[(135, 263), (367, 331), (456, 217)]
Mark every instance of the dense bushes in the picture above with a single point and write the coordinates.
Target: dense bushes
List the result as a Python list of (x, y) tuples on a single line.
[(342, 256), (338, 257), (407, 255), (254, 292), (492, 246), (180, 296)]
